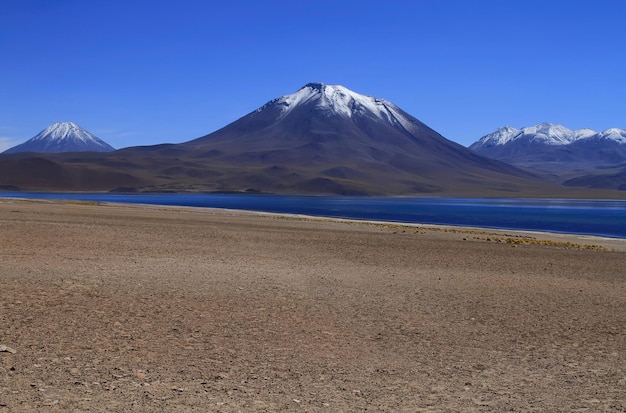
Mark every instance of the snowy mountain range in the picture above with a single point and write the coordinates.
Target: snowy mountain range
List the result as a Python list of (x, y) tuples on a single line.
[(63, 137), (582, 158), (545, 134), (552, 143)]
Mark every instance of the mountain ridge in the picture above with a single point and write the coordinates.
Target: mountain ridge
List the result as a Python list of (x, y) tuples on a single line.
[(548, 133), (575, 158)]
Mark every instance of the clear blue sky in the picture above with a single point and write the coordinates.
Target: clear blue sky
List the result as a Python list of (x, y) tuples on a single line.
[(147, 71)]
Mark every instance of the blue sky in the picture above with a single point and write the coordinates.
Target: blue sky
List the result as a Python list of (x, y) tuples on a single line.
[(147, 72)]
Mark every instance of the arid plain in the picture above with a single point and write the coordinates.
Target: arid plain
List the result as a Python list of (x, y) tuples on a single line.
[(144, 308)]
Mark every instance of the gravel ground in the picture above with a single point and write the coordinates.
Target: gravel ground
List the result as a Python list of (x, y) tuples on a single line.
[(165, 309)]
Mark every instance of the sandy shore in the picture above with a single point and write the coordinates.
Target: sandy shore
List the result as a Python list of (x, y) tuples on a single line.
[(137, 308)]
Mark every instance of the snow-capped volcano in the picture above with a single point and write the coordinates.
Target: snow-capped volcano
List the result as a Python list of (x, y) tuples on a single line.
[(329, 112), (328, 138), (322, 116), (63, 137)]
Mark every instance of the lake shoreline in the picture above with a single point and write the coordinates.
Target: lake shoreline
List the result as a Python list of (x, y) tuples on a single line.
[(613, 243)]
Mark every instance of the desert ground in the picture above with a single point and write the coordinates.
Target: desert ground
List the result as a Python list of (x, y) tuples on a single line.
[(165, 309)]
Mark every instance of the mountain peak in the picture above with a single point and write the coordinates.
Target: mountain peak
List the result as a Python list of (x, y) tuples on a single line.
[(551, 133), (319, 86), (330, 100), (64, 124), (614, 134), (63, 137), (499, 137), (59, 130)]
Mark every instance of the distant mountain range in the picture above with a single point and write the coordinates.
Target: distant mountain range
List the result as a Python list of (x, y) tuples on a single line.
[(322, 139), (582, 158), (550, 142), (63, 137)]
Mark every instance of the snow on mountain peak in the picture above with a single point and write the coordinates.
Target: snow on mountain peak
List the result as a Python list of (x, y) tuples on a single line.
[(342, 101), (584, 133), (59, 131), (550, 133), (614, 134), (500, 137), (336, 98), (62, 137), (546, 133)]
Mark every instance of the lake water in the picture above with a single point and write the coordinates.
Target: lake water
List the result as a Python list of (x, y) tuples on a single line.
[(590, 217)]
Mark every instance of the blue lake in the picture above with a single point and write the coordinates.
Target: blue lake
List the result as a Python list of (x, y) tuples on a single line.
[(590, 217)]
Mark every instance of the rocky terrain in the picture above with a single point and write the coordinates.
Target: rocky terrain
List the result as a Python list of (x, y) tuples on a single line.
[(134, 308)]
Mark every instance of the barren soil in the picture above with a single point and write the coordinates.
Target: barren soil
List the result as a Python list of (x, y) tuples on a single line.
[(136, 308)]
